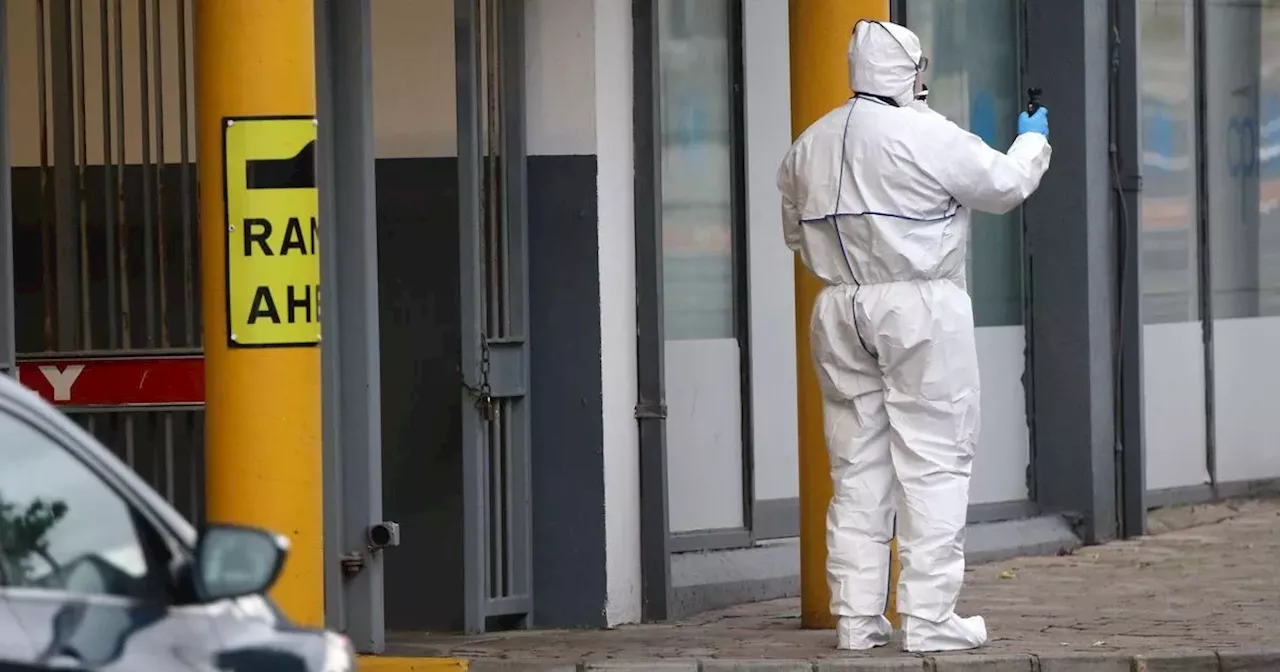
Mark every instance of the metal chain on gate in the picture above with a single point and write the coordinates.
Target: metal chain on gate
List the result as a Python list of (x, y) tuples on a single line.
[(484, 394)]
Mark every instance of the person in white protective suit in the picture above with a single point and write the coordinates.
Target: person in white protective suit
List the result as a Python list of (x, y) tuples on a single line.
[(876, 198)]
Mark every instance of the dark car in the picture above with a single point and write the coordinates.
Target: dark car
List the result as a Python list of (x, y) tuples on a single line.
[(98, 572)]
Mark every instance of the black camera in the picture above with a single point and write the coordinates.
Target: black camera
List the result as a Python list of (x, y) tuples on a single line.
[(1033, 100)]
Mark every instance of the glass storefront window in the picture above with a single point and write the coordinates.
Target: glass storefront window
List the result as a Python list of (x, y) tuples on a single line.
[(973, 80), (1174, 388), (1242, 127), (697, 174), (1242, 91), (1170, 253), (1269, 158), (703, 357)]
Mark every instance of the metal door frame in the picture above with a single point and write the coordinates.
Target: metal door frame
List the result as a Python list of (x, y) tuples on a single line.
[(350, 357), (1126, 142), (354, 600), (497, 522)]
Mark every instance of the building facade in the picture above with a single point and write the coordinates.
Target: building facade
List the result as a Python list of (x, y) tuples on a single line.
[(579, 358)]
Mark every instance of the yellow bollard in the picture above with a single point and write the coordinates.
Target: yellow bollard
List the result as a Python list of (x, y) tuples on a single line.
[(820, 32), (256, 58)]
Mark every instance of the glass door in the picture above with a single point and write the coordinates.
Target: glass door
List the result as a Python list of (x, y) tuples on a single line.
[(974, 80)]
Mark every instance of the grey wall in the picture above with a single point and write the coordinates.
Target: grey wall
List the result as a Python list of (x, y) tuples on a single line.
[(418, 279), (1072, 271), (569, 579)]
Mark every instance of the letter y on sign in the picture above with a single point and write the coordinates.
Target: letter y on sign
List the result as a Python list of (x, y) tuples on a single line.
[(61, 381)]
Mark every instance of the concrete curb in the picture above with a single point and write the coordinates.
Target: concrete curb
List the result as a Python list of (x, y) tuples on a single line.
[(401, 664), (1254, 660)]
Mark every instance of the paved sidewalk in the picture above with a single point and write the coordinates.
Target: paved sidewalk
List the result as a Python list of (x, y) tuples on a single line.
[(1203, 597)]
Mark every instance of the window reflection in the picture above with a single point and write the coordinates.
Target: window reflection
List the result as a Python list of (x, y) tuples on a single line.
[(1242, 91), (1242, 94), (697, 175), (1269, 157), (1242, 142), (973, 81), (1170, 253), (61, 527)]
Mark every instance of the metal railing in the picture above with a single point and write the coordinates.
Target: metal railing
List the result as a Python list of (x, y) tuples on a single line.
[(105, 218)]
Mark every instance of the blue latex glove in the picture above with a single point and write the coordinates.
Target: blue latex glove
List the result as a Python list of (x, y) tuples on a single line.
[(1034, 123)]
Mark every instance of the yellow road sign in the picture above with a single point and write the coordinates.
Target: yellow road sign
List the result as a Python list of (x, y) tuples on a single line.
[(273, 262)]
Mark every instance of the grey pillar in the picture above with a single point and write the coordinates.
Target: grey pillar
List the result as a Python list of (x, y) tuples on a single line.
[(466, 39), (651, 408), (65, 184), (1070, 242), (350, 351), (7, 345), (1126, 119)]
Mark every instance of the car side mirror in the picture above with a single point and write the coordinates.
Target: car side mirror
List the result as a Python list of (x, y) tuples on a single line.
[(234, 561)]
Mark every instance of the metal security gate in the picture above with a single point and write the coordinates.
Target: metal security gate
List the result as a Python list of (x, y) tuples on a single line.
[(105, 226), (495, 310)]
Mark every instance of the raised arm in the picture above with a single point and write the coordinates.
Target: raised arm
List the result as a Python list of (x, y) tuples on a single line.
[(985, 179)]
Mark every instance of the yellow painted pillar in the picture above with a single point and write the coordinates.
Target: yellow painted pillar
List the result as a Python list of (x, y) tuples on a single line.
[(820, 32), (256, 58)]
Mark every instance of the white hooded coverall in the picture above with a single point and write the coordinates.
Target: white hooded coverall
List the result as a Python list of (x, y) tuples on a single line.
[(876, 199)]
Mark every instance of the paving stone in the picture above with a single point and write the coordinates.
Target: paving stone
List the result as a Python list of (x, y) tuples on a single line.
[(1189, 661), (898, 664), (980, 662), (1075, 661), (645, 665), (1090, 611), (1249, 660), (729, 665), (520, 666)]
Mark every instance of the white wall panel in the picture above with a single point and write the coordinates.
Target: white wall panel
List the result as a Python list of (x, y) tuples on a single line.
[(414, 89), (1173, 405), (1000, 465), (1247, 405), (771, 265), (560, 76), (611, 107), (704, 434)]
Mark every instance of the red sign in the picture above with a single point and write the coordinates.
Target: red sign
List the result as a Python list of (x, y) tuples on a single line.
[(116, 381)]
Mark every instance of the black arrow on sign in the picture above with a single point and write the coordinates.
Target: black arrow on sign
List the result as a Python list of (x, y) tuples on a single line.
[(295, 172)]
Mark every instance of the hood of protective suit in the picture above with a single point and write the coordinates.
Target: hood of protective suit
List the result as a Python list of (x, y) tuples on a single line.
[(884, 61)]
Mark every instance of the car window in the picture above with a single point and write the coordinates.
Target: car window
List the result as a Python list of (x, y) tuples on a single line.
[(61, 526)]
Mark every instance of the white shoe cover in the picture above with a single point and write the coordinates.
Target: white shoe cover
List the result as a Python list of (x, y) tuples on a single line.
[(859, 633), (953, 634)]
